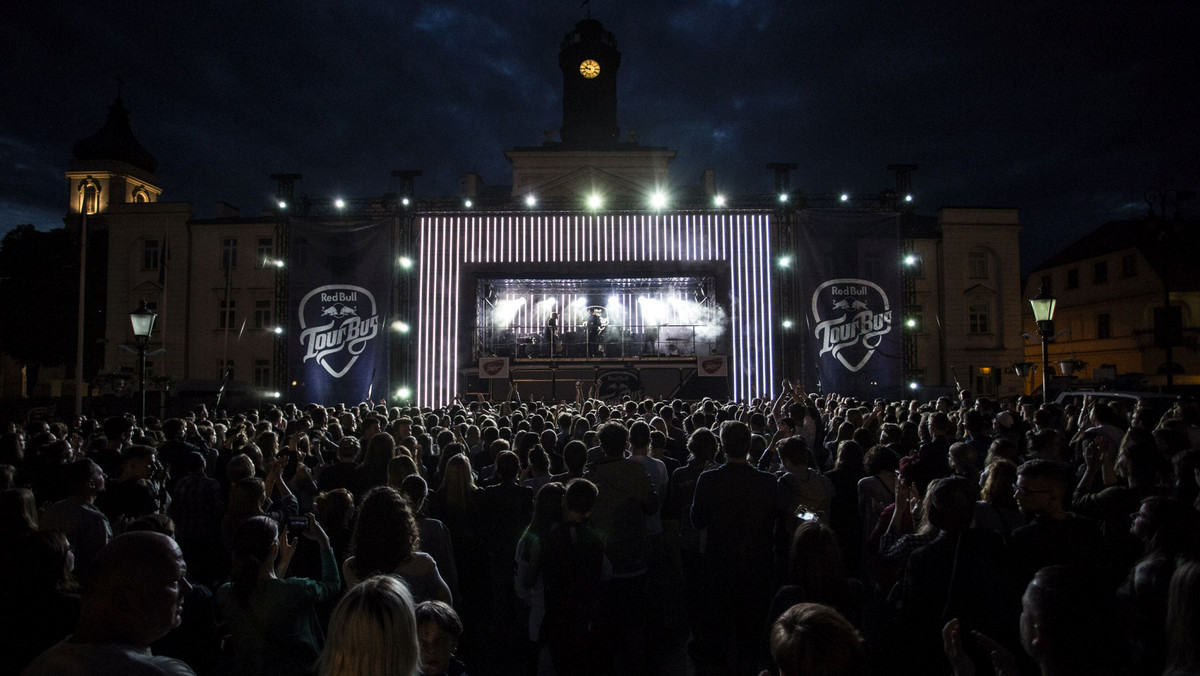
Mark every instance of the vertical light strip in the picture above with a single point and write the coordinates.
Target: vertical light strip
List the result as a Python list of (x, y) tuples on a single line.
[(455, 299), (422, 306), (769, 391), (756, 293)]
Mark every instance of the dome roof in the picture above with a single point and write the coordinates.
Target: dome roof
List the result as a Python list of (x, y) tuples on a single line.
[(115, 141)]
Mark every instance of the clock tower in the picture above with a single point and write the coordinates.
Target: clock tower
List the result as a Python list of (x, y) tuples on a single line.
[(589, 61)]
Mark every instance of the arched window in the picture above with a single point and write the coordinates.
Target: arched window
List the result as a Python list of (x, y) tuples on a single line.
[(89, 196)]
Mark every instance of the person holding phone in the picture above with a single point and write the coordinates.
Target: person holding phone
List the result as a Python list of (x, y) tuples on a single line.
[(272, 618)]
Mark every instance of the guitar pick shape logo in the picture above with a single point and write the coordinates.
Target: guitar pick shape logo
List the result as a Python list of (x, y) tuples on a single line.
[(337, 321), (852, 317)]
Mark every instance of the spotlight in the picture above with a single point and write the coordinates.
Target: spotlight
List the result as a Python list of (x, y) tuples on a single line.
[(275, 395), (282, 204), (845, 197), (658, 200), (400, 327), (339, 203), (405, 201), (406, 262), (787, 324), (911, 323), (403, 393), (908, 198), (719, 201), (468, 203), (913, 385), (785, 261), (278, 262), (530, 200), (614, 300), (910, 260), (594, 201), (277, 330), (783, 197)]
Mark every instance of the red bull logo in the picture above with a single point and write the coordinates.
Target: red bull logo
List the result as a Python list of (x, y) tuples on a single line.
[(852, 317), (336, 324)]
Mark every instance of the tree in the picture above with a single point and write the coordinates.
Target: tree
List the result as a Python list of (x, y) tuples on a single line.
[(38, 293)]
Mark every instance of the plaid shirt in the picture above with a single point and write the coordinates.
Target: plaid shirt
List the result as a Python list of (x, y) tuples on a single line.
[(197, 508)]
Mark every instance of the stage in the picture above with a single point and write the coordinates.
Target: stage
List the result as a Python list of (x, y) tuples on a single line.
[(551, 380)]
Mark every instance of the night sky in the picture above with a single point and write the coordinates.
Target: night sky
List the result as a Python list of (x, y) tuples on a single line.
[(1066, 110)]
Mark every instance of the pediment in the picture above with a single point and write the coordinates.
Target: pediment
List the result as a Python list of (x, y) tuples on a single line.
[(586, 180), (979, 290)]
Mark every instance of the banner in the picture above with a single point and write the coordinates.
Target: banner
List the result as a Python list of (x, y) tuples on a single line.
[(712, 366), (850, 285), (493, 367), (339, 294)]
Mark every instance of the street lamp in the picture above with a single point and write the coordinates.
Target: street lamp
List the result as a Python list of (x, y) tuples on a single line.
[(142, 320), (1043, 313)]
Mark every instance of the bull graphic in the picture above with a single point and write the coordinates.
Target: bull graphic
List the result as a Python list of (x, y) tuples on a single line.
[(339, 311), (858, 305), (842, 305)]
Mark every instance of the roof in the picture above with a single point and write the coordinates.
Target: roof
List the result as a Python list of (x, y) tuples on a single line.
[(1145, 236), (115, 141)]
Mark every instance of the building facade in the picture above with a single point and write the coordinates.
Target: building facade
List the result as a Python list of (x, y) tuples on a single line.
[(1111, 286), (216, 283)]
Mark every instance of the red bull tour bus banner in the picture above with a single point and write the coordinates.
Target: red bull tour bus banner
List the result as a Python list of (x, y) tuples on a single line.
[(849, 264), (339, 293)]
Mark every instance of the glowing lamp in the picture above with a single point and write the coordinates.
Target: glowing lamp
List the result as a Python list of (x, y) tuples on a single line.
[(530, 200), (594, 201), (1043, 306), (406, 262), (339, 203), (719, 201)]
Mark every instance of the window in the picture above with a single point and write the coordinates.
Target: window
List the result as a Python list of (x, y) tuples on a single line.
[(262, 373), (150, 254), (264, 252), (1129, 265), (1103, 326), (1100, 272), (1073, 278), (228, 314), (1048, 283), (89, 197), (262, 314), (977, 267), (229, 253), (977, 318)]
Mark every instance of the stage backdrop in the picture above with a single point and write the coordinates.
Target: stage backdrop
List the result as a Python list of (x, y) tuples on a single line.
[(340, 296), (849, 265)]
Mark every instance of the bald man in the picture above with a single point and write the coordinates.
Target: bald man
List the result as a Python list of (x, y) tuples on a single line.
[(132, 597)]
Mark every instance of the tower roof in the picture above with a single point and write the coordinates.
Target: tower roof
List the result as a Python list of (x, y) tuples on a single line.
[(115, 141)]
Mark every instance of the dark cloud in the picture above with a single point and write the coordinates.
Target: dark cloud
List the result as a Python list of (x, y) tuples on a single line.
[(1067, 110)]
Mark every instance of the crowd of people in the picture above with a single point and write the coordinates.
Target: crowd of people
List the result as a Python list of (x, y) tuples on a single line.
[(809, 534)]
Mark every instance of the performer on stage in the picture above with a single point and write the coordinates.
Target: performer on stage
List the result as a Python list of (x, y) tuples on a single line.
[(551, 333), (595, 326)]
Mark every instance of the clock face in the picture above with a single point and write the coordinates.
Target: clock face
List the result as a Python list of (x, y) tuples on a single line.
[(589, 69)]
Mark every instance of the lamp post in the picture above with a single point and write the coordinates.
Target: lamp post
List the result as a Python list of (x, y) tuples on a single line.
[(142, 320), (1043, 313)]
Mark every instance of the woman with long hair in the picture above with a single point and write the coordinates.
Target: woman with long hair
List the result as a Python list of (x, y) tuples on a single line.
[(816, 574), (547, 511), (386, 542), (997, 507), (373, 632), (373, 471), (272, 618)]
